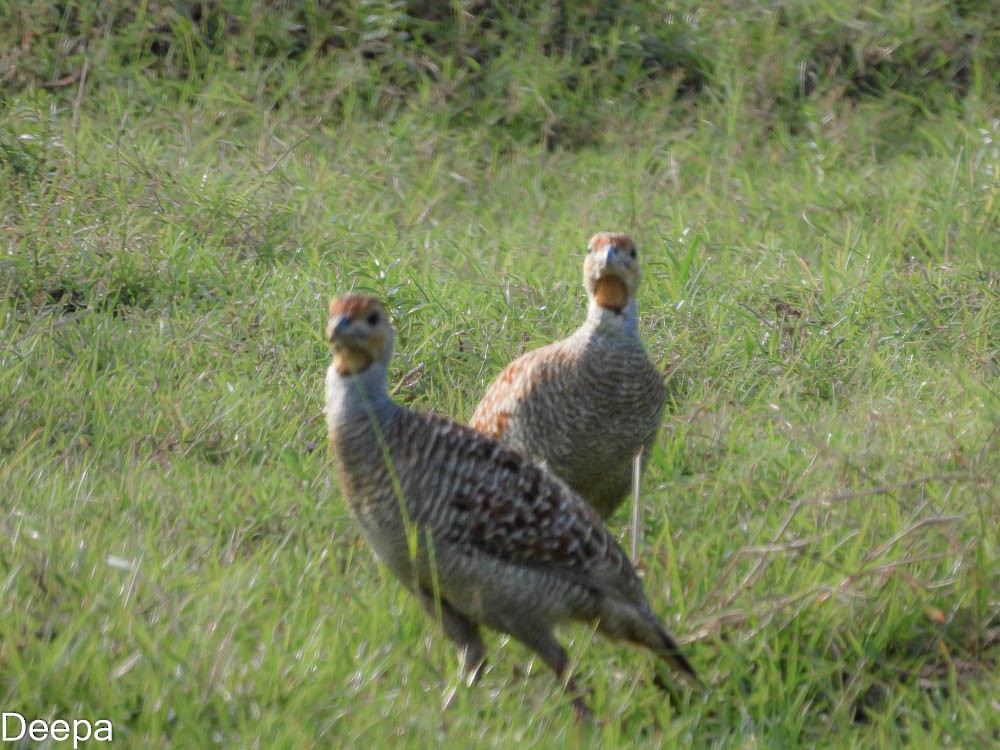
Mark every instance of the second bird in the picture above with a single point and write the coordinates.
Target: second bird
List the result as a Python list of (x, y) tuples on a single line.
[(586, 405)]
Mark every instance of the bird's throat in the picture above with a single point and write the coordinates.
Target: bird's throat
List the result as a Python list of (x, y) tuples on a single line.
[(351, 361), (611, 293)]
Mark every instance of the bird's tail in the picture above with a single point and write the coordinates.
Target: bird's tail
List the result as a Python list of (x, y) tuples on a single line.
[(671, 653), (641, 627)]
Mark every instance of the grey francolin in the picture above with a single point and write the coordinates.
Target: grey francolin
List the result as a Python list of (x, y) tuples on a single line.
[(480, 534), (585, 406)]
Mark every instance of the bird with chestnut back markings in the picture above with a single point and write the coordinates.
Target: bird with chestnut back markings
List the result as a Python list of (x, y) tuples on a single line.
[(590, 405), (479, 534)]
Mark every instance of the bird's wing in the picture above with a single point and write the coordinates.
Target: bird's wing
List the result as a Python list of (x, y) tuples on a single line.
[(503, 505)]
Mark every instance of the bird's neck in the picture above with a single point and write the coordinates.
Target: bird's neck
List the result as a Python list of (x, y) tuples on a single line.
[(605, 319), (361, 396)]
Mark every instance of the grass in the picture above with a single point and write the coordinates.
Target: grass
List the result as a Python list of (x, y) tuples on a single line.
[(821, 272)]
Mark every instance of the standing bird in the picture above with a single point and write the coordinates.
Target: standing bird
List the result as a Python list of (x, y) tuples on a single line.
[(589, 405), (478, 533)]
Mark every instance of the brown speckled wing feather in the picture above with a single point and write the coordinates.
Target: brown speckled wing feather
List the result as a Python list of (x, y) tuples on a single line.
[(508, 507)]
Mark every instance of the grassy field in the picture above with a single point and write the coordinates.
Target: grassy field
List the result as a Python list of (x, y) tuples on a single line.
[(815, 188)]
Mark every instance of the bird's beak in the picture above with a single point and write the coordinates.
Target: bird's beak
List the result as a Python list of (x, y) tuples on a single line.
[(337, 327), (607, 257)]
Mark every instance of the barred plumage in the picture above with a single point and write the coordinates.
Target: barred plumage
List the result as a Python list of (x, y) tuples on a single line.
[(585, 405), (500, 541)]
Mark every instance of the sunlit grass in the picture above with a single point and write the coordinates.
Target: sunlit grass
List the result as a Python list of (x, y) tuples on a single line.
[(821, 511)]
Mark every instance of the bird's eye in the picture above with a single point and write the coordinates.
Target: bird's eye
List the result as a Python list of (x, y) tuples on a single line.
[(373, 318), (631, 253)]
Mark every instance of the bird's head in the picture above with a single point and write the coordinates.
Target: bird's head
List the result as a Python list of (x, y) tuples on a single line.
[(611, 270), (359, 333)]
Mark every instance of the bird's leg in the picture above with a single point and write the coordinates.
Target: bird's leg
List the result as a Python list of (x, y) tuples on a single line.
[(547, 647), (473, 662), (460, 630), (636, 504), (581, 710)]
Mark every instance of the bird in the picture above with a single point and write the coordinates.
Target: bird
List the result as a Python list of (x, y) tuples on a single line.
[(480, 534), (589, 405)]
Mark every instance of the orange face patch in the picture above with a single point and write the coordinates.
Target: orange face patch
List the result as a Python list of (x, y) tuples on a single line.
[(362, 344), (351, 361), (611, 293)]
